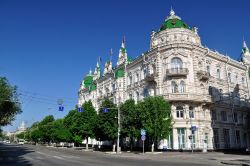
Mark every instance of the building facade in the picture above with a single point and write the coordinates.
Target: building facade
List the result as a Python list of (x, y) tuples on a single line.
[(206, 89)]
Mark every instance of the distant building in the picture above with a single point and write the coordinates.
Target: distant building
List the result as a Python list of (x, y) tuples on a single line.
[(206, 89), (21, 128)]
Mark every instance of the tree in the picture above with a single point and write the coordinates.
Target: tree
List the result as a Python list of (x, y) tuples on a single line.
[(45, 128), (9, 102), (107, 127), (155, 116), (87, 121), (59, 132), (21, 135), (130, 121), (70, 122)]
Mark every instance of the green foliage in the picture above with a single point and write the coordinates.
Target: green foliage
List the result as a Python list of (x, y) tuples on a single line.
[(46, 120), (107, 122), (130, 121), (87, 120), (59, 132), (82, 124), (21, 135), (9, 102), (155, 117)]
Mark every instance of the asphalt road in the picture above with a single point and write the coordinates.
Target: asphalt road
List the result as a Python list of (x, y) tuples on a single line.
[(25, 155)]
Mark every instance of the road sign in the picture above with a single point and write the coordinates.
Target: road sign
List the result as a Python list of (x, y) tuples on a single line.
[(143, 137), (105, 110), (61, 108), (143, 132), (80, 109), (193, 128)]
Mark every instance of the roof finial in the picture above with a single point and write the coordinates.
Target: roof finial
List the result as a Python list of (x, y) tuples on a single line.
[(90, 72), (172, 13), (123, 42)]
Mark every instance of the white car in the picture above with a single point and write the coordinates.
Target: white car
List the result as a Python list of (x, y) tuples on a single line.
[(21, 141), (248, 150)]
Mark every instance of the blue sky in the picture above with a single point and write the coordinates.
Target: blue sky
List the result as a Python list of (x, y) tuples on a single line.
[(47, 47)]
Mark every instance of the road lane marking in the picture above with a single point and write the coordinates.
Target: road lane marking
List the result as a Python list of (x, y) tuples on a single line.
[(59, 157), (28, 158)]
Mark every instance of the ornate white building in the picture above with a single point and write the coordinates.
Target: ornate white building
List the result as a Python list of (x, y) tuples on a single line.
[(206, 89)]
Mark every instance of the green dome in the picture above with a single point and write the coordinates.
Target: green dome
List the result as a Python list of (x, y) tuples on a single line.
[(173, 21), (88, 80)]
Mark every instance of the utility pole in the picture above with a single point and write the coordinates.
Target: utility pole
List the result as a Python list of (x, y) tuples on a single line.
[(118, 132), (192, 136)]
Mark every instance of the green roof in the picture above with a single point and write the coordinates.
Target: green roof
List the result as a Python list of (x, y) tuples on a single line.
[(130, 59), (123, 50), (119, 73), (88, 80), (92, 87), (173, 23)]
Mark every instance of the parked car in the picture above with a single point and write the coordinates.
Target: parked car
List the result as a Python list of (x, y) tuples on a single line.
[(7, 141), (248, 150), (21, 141)]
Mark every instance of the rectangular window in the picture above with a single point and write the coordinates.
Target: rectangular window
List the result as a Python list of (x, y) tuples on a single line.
[(216, 138), (179, 113), (235, 117), (181, 138), (237, 133), (214, 115), (226, 138), (223, 115), (191, 113)]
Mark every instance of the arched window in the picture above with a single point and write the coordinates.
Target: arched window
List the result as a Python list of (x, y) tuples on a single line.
[(137, 96), (179, 112), (229, 77), (182, 87), (176, 63), (130, 96), (130, 79), (136, 77), (243, 80), (208, 69), (174, 87), (218, 73)]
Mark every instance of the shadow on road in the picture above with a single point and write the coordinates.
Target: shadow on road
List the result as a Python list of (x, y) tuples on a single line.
[(13, 155)]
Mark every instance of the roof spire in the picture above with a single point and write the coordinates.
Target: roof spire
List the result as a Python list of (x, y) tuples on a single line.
[(90, 72), (172, 13), (245, 48)]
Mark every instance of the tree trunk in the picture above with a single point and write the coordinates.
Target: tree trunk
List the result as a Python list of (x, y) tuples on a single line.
[(152, 147), (114, 145), (87, 143)]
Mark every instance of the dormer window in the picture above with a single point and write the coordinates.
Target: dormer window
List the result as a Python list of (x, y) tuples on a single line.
[(218, 73), (229, 77)]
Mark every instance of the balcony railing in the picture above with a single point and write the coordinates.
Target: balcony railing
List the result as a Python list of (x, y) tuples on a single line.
[(203, 75), (150, 77), (177, 72), (188, 97)]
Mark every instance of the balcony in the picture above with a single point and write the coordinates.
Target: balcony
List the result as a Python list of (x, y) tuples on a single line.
[(150, 77), (177, 72), (201, 98), (203, 75)]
